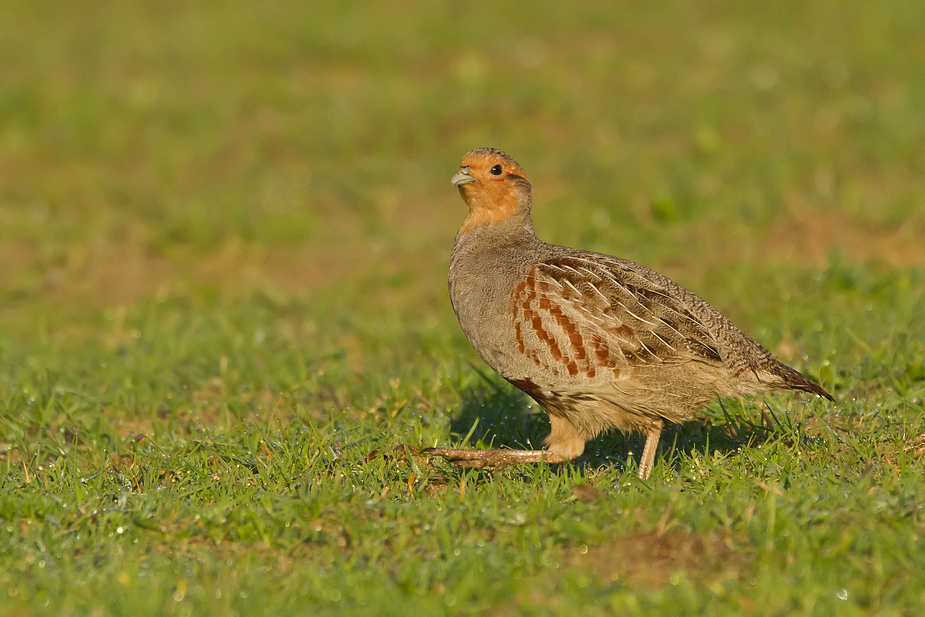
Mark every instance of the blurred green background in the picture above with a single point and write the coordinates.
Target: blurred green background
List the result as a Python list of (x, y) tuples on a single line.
[(151, 146), (224, 233)]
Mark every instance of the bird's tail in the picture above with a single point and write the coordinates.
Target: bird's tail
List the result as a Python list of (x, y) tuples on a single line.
[(795, 380)]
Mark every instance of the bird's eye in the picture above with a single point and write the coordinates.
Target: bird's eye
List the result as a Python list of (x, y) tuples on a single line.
[(496, 170)]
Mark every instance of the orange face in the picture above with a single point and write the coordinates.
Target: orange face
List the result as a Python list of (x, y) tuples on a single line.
[(492, 184), (484, 167)]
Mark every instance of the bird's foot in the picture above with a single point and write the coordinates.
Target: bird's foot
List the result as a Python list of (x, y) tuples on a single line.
[(493, 459)]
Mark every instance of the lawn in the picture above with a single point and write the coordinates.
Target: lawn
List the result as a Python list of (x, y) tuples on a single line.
[(225, 330)]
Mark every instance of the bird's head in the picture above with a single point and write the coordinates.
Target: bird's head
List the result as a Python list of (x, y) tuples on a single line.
[(493, 185)]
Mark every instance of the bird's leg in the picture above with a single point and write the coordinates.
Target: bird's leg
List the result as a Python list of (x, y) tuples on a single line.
[(494, 459), (648, 452), (565, 442)]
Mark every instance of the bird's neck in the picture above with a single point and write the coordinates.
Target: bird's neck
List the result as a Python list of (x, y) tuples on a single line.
[(515, 230), (513, 211)]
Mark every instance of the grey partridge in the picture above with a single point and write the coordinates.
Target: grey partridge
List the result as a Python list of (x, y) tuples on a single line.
[(599, 342)]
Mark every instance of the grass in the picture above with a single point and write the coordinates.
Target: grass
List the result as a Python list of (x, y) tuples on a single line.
[(224, 328)]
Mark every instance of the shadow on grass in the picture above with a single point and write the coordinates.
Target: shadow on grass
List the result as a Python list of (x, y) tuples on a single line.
[(498, 415)]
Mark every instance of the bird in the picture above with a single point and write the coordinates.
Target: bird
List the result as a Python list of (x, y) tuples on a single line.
[(599, 342)]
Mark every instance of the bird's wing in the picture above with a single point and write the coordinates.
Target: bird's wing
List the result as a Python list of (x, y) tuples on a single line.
[(590, 313)]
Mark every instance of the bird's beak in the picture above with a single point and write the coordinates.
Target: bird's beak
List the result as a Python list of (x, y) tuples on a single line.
[(462, 177)]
